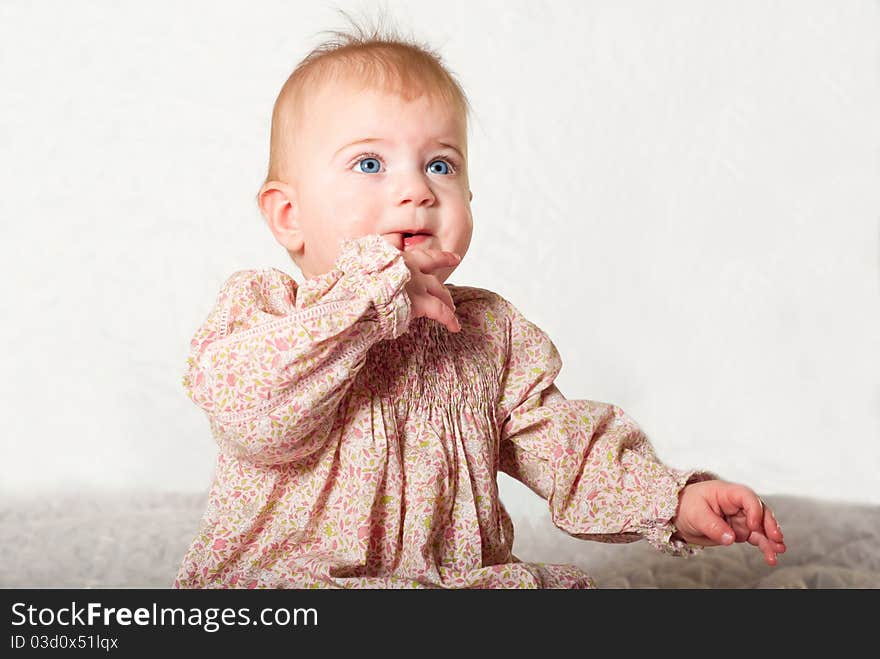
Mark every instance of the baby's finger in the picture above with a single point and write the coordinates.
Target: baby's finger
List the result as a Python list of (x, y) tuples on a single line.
[(765, 545), (759, 539), (713, 526), (740, 527), (440, 311), (771, 526), (754, 508), (431, 259), (742, 497), (438, 290)]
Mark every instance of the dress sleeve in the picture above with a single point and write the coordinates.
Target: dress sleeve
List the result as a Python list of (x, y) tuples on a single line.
[(591, 461), (270, 367)]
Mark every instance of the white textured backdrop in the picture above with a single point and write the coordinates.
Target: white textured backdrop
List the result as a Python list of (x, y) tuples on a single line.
[(684, 195)]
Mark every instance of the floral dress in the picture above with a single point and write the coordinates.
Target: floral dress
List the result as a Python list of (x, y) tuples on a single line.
[(359, 447)]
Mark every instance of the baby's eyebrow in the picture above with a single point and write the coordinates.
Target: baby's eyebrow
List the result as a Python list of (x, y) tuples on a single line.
[(370, 140)]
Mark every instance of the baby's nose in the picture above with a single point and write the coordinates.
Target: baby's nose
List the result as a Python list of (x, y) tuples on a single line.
[(417, 192)]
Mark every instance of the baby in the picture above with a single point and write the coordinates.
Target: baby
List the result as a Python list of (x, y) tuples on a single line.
[(362, 416)]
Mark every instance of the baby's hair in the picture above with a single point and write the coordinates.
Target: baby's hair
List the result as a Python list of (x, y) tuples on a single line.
[(376, 59)]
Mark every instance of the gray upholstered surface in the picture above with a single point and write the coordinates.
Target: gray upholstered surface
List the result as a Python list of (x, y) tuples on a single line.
[(137, 540), (830, 545)]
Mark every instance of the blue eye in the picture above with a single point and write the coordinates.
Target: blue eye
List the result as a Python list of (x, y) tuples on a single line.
[(370, 168), (442, 162), (371, 163)]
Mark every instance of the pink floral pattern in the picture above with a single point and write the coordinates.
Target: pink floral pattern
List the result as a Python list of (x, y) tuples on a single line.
[(359, 447)]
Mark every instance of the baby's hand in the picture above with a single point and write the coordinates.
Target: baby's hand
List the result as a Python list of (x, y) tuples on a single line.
[(427, 295), (716, 512)]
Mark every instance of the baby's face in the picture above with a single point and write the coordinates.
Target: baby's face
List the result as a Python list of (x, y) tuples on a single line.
[(410, 177)]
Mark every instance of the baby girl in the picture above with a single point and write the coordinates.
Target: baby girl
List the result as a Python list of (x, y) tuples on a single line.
[(362, 416)]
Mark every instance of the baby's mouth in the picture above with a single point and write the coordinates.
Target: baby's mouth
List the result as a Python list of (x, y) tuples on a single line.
[(410, 239)]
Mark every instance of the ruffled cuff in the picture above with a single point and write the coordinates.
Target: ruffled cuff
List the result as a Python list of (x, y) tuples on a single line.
[(658, 530), (374, 269)]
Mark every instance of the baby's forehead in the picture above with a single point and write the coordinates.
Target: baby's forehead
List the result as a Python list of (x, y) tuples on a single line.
[(343, 92), (346, 112)]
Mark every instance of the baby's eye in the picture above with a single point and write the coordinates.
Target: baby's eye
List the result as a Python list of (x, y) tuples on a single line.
[(369, 165), (446, 169)]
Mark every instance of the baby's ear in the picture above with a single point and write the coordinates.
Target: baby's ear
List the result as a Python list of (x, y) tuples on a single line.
[(282, 214)]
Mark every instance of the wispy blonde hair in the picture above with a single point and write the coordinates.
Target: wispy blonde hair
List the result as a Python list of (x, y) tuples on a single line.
[(376, 59)]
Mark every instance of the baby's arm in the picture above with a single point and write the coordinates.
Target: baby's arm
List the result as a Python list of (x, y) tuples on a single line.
[(271, 374), (716, 512), (589, 459)]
